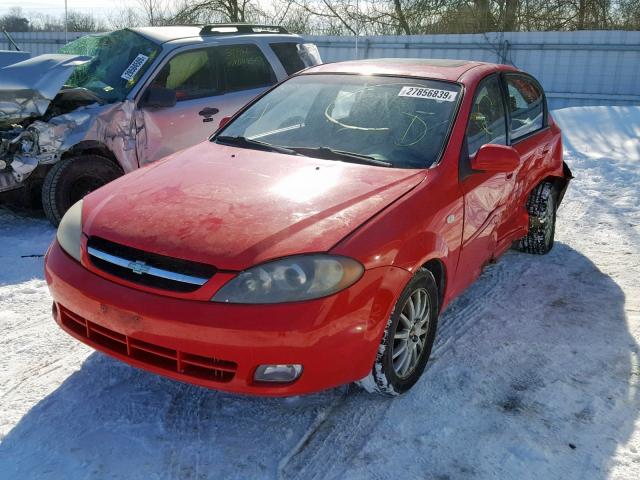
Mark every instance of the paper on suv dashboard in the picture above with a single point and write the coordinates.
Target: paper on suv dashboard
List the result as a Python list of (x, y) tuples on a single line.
[(428, 93), (135, 67)]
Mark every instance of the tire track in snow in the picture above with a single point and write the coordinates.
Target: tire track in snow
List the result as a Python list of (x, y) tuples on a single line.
[(466, 311), (288, 461), (183, 417), (337, 435), (27, 375)]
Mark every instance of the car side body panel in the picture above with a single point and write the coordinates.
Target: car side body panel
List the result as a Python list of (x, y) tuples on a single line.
[(168, 130)]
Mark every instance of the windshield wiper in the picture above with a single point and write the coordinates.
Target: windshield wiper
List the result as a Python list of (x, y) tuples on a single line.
[(332, 154), (249, 143)]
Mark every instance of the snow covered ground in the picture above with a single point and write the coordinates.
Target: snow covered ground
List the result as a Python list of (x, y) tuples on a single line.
[(535, 374)]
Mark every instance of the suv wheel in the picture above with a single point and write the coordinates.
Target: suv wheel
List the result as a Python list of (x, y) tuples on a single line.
[(71, 179), (407, 340)]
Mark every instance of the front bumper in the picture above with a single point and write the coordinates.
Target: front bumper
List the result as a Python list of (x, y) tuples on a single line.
[(220, 345)]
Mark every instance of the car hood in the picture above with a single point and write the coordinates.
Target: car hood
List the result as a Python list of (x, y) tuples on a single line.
[(234, 208), (28, 87)]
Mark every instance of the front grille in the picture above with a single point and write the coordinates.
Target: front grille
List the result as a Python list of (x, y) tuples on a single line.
[(197, 366), (146, 268)]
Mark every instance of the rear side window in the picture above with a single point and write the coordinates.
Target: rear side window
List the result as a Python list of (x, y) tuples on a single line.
[(487, 122), (244, 67), (296, 56), (190, 74), (526, 105)]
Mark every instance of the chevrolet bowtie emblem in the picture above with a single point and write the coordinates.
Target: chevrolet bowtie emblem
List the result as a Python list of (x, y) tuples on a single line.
[(138, 267)]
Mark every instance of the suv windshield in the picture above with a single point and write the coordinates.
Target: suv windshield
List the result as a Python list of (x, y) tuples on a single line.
[(118, 61), (392, 121)]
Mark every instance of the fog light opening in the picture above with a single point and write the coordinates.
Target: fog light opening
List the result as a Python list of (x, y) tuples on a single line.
[(277, 373), (54, 310)]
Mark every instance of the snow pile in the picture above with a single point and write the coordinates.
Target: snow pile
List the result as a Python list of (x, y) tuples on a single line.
[(535, 373)]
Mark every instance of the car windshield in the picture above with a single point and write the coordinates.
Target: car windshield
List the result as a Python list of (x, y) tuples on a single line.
[(379, 120), (118, 61)]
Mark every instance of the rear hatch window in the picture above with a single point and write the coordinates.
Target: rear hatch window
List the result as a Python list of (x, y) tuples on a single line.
[(296, 56)]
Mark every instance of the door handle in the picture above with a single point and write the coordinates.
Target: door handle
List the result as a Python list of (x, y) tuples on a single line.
[(208, 113)]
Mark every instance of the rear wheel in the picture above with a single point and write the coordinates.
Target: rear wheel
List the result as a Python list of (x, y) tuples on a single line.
[(541, 206), (71, 179), (407, 340)]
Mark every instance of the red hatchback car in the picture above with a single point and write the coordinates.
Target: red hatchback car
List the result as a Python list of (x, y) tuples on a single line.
[(315, 238)]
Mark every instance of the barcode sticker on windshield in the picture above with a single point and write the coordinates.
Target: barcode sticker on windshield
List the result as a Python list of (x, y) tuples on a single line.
[(135, 67), (428, 93)]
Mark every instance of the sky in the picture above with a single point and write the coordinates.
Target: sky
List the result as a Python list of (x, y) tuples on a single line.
[(100, 8)]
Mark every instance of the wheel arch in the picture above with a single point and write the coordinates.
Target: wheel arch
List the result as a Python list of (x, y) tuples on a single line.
[(92, 147), (439, 271), (560, 183), (428, 250)]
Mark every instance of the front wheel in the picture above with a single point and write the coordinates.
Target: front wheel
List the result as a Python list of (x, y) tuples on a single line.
[(71, 179), (407, 340)]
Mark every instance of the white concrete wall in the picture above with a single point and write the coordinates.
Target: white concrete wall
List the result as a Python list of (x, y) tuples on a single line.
[(38, 43), (575, 68)]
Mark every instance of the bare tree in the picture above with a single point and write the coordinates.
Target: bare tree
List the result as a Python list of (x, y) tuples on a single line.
[(340, 12), (372, 17), (157, 12), (628, 14), (125, 17), (226, 10), (509, 17), (14, 21)]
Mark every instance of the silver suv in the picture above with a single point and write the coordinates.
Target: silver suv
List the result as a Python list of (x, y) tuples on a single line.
[(110, 103)]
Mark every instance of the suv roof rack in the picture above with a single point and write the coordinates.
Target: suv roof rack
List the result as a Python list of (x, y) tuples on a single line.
[(240, 28)]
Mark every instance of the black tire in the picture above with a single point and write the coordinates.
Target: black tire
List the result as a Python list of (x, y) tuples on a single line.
[(384, 378), (71, 179), (541, 206)]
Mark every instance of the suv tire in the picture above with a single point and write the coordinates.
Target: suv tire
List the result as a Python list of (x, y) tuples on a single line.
[(71, 179)]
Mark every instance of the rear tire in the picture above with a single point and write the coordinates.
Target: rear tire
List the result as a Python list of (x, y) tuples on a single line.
[(407, 340), (541, 206), (71, 179)]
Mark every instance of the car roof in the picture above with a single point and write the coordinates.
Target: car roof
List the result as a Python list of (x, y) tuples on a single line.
[(191, 33), (438, 68)]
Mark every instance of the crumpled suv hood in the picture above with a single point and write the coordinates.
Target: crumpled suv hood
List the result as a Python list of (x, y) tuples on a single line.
[(234, 208), (28, 87)]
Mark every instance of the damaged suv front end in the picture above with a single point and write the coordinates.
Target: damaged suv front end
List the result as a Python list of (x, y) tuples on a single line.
[(53, 105), (27, 90), (110, 103)]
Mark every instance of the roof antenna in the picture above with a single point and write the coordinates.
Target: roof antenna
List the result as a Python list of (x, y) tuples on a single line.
[(15, 45)]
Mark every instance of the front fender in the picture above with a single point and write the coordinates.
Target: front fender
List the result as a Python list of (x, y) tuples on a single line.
[(424, 225), (419, 249)]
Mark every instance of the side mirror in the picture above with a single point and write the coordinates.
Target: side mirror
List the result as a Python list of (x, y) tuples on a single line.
[(223, 122), (159, 97), (495, 158)]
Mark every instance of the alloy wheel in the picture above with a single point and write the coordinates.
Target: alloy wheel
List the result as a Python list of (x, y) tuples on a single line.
[(411, 333)]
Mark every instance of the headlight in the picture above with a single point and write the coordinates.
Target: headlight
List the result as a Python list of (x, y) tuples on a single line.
[(291, 279), (70, 230)]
